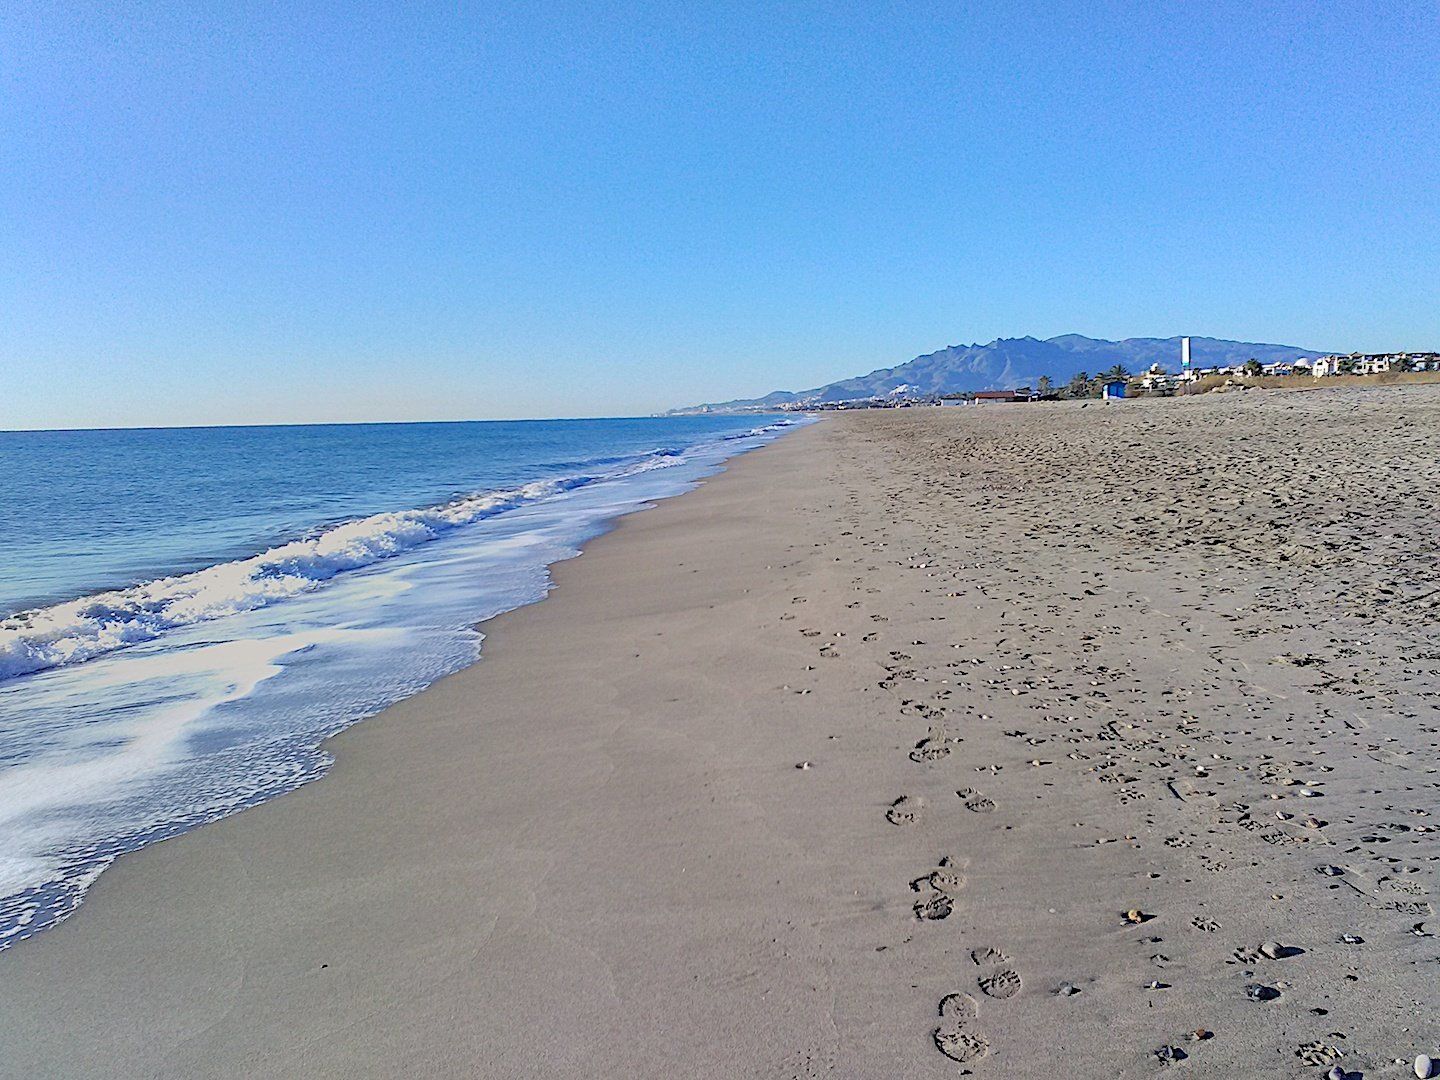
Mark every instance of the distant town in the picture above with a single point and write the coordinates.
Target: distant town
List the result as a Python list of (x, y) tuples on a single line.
[(1156, 381)]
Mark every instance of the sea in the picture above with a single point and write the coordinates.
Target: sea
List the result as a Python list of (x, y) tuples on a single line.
[(186, 614)]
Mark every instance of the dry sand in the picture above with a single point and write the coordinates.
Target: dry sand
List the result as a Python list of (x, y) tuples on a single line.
[(1047, 664)]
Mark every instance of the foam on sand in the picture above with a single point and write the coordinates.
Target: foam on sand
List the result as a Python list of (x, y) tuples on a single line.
[(211, 691), (91, 626)]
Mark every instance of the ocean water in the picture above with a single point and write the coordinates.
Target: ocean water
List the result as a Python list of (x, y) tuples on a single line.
[(186, 614)]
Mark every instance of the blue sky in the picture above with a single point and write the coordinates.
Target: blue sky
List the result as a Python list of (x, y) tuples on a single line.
[(295, 212)]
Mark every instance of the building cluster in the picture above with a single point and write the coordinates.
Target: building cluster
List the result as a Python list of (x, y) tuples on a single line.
[(1374, 363), (1319, 367), (1155, 380)]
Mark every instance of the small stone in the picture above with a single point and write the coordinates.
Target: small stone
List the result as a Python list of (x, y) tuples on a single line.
[(1169, 1054), (803, 765), (1273, 950), (1335, 1073), (1424, 1066), (1156, 984), (1067, 990), (1352, 939), (1260, 992), (1330, 871), (1135, 915), (1201, 1034)]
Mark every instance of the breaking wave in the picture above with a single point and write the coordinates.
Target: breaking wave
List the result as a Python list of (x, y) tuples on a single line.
[(79, 630)]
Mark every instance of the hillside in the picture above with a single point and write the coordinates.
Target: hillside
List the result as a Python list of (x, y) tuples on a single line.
[(1010, 362)]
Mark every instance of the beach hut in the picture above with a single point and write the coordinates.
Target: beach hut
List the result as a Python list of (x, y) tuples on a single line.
[(1115, 388)]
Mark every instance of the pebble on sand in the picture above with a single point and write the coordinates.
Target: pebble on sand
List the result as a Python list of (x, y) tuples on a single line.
[(1424, 1066)]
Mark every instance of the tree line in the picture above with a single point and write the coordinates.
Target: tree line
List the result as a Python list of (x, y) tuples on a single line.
[(1084, 385)]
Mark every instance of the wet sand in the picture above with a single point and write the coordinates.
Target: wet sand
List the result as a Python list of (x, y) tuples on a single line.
[(1095, 702)]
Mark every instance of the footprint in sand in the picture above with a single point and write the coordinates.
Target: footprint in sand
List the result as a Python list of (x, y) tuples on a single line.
[(937, 889), (1317, 1053), (933, 747), (976, 801), (934, 907), (1002, 983), (947, 878), (958, 1037), (905, 810)]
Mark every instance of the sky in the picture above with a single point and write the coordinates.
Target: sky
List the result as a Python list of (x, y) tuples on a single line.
[(302, 212)]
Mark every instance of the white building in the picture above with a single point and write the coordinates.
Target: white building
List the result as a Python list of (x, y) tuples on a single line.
[(1373, 363), (1157, 378)]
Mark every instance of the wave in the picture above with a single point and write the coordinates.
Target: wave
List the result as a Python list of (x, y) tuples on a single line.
[(82, 629)]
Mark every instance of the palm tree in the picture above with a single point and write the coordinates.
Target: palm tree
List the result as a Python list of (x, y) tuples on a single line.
[(1079, 385), (1118, 373), (1044, 386), (1346, 366), (1253, 367)]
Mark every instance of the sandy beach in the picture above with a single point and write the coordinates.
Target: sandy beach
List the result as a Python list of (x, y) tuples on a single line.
[(1046, 740)]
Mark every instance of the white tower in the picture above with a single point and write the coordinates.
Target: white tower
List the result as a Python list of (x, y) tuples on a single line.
[(1185, 355)]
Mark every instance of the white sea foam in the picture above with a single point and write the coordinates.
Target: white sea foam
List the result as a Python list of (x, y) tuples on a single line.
[(147, 742), (92, 626)]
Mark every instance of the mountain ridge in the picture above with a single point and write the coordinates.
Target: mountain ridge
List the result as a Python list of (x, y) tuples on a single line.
[(1008, 362)]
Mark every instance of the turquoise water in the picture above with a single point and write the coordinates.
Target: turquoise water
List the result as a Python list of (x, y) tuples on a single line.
[(186, 614)]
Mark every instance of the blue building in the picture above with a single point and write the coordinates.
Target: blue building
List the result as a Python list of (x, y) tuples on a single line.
[(1115, 388)]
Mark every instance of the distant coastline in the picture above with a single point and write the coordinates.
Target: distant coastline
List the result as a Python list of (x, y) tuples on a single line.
[(1006, 363)]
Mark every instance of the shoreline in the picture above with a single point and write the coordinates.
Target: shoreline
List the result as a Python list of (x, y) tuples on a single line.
[(1085, 727), (137, 889), (303, 616)]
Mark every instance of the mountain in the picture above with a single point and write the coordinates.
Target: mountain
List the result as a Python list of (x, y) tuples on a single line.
[(1009, 362)]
